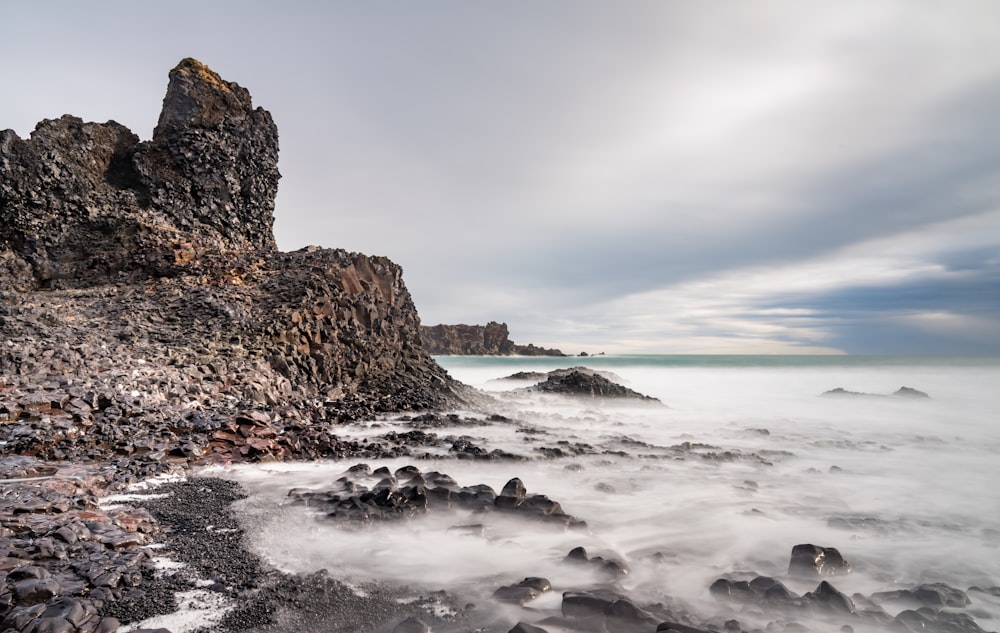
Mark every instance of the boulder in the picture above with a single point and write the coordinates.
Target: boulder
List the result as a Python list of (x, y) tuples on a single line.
[(589, 384), (811, 561)]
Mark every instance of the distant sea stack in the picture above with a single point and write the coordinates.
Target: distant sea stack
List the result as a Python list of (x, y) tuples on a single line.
[(157, 259), (491, 339)]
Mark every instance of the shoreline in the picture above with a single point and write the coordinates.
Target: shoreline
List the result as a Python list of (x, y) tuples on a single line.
[(200, 530)]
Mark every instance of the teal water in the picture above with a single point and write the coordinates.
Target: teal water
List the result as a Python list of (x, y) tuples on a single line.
[(719, 360)]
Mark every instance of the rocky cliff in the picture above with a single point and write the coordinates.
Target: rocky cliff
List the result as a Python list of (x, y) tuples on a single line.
[(83, 203), (141, 280), (491, 339)]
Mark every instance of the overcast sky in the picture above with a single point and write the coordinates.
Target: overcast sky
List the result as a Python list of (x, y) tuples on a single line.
[(649, 176)]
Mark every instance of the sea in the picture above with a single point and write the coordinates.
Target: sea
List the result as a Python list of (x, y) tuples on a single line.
[(743, 458)]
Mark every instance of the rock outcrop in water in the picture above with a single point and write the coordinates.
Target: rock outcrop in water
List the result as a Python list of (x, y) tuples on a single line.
[(491, 339), (902, 392)]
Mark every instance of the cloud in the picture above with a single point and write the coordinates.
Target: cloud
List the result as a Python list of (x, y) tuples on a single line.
[(813, 304), (781, 175)]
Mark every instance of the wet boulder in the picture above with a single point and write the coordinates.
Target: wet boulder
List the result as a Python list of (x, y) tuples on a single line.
[(523, 627), (827, 598), (618, 612), (523, 592), (411, 625), (677, 627), (609, 568), (926, 619), (811, 561), (761, 590), (935, 595), (511, 496)]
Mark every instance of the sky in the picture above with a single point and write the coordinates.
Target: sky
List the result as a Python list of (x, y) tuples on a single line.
[(651, 176)]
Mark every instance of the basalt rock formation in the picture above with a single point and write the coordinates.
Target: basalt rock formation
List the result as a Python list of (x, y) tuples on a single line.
[(491, 339), (148, 323), (85, 203), (142, 279)]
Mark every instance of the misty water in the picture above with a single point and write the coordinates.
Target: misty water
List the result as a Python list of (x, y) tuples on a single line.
[(745, 460)]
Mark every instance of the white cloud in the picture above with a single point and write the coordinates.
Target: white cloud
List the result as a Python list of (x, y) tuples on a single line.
[(741, 309)]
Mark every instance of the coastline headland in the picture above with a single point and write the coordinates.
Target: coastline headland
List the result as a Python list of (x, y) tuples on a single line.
[(149, 323), (149, 327), (492, 339)]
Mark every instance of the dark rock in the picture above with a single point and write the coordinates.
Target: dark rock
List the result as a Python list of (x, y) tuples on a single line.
[(516, 594), (523, 627), (737, 590), (147, 271), (808, 560), (902, 392), (411, 625), (590, 624), (580, 383), (577, 555), (511, 496), (841, 392), (491, 339), (909, 392), (210, 171), (36, 590), (925, 619), (353, 502), (533, 376), (541, 584), (827, 598), (524, 591), (682, 628), (583, 604), (607, 609), (936, 595)]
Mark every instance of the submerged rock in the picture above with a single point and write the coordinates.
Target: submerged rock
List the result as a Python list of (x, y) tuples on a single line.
[(523, 592), (935, 595), (902, 392), (523, 627), (415, 493), (589, 384)]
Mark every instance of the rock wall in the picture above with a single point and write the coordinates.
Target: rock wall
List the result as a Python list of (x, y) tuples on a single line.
[(84, 202), (158, 258), (491, 339)]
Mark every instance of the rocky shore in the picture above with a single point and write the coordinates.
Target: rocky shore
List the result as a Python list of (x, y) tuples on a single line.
[(149, 327), (492, 339)]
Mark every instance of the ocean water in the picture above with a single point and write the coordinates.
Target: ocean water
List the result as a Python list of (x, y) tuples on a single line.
[(743, 460)]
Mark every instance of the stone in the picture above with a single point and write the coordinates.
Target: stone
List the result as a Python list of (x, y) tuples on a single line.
[(808, 560), (524, 591), (935, 595), (523, 627), (516, 594), (827, 598), (411, 625), (511, 496), (36, 590), (491, 339), (589, 384)]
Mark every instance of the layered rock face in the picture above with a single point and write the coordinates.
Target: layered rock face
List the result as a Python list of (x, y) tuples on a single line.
[(148, 272), (491, 339), (82, 202)]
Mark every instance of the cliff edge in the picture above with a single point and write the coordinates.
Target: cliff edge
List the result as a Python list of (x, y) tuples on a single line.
[(140, 282), (492, 339)]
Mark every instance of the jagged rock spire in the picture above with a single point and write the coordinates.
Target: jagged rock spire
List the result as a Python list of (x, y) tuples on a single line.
[(80, 202)]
